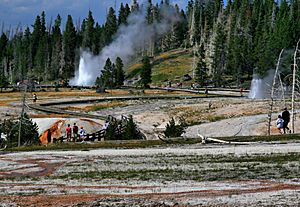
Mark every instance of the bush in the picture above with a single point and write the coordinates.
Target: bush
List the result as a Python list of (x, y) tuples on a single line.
[(175, 130), (124, 129), (29, 131), (130, 131)]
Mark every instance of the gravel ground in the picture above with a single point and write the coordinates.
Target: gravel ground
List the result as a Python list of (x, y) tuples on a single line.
[(258, 174), (189, 175)]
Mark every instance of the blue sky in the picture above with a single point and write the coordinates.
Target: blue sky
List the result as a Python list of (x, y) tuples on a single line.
[(13, 12)]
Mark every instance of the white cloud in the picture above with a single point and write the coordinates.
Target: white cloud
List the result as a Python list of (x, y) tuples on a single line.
[(12, 12)]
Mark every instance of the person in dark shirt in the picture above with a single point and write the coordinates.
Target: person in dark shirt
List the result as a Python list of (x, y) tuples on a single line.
[(49, 136), (75, 132), (286, 120)]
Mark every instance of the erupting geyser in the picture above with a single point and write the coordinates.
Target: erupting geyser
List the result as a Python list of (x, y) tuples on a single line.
[(87, 72), (130, 38), (256, 91), (261, 87)]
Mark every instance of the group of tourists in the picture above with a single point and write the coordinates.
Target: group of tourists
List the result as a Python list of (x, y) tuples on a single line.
[(283, 121), (74, 133)]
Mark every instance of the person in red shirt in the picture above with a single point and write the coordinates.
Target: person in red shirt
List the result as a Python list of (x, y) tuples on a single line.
[(68, 132)]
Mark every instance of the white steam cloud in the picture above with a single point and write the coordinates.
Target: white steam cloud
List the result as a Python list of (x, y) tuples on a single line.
[(261, 87), (129, 39)]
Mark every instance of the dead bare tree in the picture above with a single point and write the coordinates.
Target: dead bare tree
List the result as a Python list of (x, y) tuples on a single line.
[(294, 86), (272, 93)]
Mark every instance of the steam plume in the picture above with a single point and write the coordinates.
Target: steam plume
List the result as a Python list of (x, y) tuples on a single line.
[(261, 87), (128, 40)]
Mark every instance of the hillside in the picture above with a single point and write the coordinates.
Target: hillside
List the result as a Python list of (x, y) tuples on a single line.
[(171, 65)]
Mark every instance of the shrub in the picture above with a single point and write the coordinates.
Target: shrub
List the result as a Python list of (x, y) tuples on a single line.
[(130, 131), (124, 129), (29, 131), (175, 130)]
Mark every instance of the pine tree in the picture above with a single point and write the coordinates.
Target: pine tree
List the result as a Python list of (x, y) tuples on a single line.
[(43, 24), (69, 46), (107, 76), (149, 14), (135, 6), (146, 72), (120, 75), (264, 51), (127, 11), (175, 130), (150, 20), (19, 61), (122, 19), (98, 42), (201, 71), (57, 50), (180, 30), (88, 35), (36, 37), (29, 131), (41, 58), (198, 22), (3, 48), (282, 32), (3, 44), (294, 22), (27, 51), (3, 81), (111, 25), (130, 131), (219, 53)]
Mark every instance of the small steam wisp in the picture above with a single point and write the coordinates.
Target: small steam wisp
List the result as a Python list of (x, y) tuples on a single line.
[(129, 39), (261, 87)]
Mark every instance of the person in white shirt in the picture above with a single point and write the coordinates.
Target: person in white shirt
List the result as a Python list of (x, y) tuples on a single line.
[(279, 124), (81, 133)]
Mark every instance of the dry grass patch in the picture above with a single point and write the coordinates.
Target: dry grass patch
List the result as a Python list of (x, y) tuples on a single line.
[(49, 115), (96, 107), (12, 95), (215, 111), (6, 102)]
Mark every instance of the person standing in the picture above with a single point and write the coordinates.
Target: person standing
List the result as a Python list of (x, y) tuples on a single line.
[(68, 132), (279, 124), (34, 98), (81, 133), (49, 136), (286, 119), (242, 91), (75, 132)]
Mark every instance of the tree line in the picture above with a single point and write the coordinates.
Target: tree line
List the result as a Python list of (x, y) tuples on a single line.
[(236, 39)]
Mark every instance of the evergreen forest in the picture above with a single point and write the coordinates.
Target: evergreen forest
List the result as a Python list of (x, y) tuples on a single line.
[(237, 39)]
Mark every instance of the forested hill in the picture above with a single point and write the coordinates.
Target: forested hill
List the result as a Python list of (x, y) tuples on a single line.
[(236, 39)]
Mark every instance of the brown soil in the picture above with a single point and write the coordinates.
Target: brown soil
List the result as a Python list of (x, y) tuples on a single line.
[(182, 197)]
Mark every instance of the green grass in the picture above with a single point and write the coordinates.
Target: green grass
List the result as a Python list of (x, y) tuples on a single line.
[(171, 65), (272, 138), (96, 145), (168, 167), (131, 144)]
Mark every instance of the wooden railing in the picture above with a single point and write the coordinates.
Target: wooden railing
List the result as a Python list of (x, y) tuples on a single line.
[(100, 135)]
